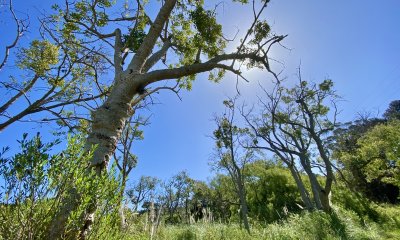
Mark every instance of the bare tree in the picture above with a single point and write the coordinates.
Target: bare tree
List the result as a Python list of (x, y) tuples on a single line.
[(124, 158)]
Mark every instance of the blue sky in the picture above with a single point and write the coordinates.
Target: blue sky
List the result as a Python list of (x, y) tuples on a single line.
[(354, 43)]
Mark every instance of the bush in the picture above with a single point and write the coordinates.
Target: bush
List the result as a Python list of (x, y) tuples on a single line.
[(36, 182)]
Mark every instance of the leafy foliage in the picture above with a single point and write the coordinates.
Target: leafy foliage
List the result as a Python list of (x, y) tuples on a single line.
[(39, 57), (272, 192), (367, 153), (206, 24), (378, 153), (35, 182), (393, 111), (134, 39)]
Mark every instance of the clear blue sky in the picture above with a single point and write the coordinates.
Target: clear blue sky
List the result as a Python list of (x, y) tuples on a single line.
[(354, 43)]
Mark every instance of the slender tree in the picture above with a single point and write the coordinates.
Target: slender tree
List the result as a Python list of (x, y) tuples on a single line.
[(142, 191), (175, 195), (124, 158), (231, 156)]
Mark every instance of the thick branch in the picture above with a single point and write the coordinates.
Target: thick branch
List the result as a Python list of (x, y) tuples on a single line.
[(117, 53), (149, 41), (174, 73), (151, 61)]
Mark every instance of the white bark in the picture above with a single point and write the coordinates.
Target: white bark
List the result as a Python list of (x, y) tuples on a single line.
[(305, 196)]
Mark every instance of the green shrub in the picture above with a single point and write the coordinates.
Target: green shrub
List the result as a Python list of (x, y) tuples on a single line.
[(35, 182)]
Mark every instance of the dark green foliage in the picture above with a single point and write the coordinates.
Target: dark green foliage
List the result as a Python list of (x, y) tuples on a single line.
[(272, 192), (134, 39), (223, 198), (206, 24), (393, 111), (25, 188), (355, 202), (366, 149), (187, 235)]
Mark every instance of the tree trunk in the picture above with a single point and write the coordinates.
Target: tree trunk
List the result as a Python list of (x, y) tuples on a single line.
[(107, 124), (152, 218), (121, 197), (305, 196), (325, 192), (325, 201), (315, 186), (243, 206)]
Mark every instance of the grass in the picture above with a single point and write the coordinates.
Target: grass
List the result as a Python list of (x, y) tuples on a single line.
[(342, 224)]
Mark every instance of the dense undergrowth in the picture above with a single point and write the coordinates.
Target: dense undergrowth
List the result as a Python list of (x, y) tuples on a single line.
[(341, 224), (35, 182)]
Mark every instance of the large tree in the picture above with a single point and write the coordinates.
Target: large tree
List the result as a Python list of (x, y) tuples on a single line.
[(372, 166), (349, 141), (133, 45)]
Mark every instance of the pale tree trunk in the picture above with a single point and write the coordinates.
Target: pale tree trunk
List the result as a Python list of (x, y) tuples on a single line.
[(121, 196), (325, 192), (325, 201), (305, 196), (108, 121), (243, 206), (152, 219), (315, 187), (122, 215)]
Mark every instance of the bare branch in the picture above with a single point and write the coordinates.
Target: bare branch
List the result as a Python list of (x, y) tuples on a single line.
[(152, 60), (21, 92), (21, 29)]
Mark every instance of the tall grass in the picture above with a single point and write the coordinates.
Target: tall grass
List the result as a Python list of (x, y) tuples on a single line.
[(341, 224)]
